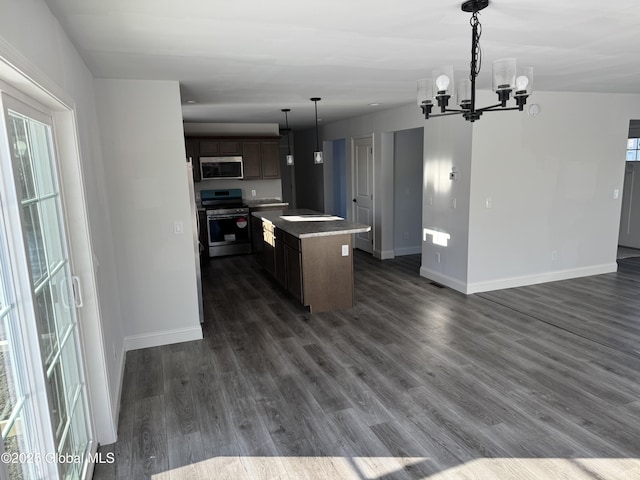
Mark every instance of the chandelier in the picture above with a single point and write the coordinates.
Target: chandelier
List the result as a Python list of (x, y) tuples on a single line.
[(507, 79)]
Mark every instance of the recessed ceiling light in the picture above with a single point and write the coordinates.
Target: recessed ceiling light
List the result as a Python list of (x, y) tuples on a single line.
[(191, 101), (374, 104)]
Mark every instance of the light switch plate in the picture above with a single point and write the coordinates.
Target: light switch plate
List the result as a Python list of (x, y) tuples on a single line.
[(345, 250)]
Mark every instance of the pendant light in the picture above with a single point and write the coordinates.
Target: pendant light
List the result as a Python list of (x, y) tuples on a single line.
[(317, 154), (287, 129)]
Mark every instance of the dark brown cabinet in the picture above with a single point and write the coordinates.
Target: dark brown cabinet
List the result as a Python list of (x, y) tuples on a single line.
[(260, 156), (316, 270), (220, 148), (293, 267), (261, 159), (280, 260)]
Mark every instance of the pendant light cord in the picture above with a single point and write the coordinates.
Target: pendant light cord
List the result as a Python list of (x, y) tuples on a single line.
[(317, 138), (477, 54), (286, 119)]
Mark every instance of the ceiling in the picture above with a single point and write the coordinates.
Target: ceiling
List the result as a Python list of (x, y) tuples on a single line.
[(245, 60)]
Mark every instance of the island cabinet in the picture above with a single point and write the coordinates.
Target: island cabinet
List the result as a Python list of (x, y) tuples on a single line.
[(260, 159), (311, 260)]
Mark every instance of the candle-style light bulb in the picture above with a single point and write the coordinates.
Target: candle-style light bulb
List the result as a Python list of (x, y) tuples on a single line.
[(521, 83), (442, 82)]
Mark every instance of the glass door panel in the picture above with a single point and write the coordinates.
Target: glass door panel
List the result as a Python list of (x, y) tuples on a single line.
[(16, 408), (53, 306)]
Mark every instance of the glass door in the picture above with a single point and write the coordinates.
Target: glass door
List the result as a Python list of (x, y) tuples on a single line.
[(44, 302)]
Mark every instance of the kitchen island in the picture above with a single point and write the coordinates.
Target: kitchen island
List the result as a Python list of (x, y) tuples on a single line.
[(309, 254)]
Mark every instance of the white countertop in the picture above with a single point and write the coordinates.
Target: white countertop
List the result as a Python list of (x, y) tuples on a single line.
[(311, 228)]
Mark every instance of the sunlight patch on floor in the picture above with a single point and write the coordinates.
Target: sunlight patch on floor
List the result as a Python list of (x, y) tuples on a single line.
[(372, 468)]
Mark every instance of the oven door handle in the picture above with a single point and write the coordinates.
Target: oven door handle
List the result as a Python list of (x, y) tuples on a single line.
[(218, 217)]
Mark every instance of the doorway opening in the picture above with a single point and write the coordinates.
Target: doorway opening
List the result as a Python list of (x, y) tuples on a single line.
[(629, 235)]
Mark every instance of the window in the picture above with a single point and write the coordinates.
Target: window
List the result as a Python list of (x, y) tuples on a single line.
[(633, 150)]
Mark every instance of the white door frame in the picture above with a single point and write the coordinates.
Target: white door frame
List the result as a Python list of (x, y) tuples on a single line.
[(353, 209)]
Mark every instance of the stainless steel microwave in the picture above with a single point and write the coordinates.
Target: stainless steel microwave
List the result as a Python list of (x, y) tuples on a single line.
[(220, 167)]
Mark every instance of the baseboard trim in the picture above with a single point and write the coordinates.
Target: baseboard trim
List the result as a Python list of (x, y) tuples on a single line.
[(399, 252), (123, 357), (523, 281), (384, 254), (166, 337), (445, 280)]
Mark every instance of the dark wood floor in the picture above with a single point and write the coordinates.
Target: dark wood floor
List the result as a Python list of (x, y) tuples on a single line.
[(416, 381)]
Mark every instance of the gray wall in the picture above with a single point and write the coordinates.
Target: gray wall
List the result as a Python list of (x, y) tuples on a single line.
[(551, 181), (447, 144), (339, 178), (148, 192), (309, 181), (407, 192)]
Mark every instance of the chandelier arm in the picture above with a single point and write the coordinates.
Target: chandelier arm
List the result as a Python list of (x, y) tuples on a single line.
[(491, 109), (455, 112), (497, 106)]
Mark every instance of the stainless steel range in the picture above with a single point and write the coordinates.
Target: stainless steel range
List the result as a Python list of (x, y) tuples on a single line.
[(227, 222)]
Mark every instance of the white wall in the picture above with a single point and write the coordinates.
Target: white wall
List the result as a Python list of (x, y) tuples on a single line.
[(147, 188), (263, 188), (551, 179), (447, 144), (407, 191), (32, 40)]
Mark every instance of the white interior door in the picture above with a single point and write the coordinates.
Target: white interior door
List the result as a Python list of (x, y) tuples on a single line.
[(363, 190), (44, 334)]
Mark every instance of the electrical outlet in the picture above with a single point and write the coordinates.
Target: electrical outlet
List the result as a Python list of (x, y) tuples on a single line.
[(616, 193), (438, 257), (488, 202), (345, 250), (454, 203), (178, 227)]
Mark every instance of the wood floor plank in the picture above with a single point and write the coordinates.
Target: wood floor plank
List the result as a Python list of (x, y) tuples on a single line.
[(150, 381), (150, 439), (180, 416)]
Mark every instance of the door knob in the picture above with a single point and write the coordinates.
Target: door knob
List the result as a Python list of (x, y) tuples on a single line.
[(355, 201)]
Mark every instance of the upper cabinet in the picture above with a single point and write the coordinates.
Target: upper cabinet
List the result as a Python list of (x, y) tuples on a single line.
[(261, 159), (220, 148), (260, 156)]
